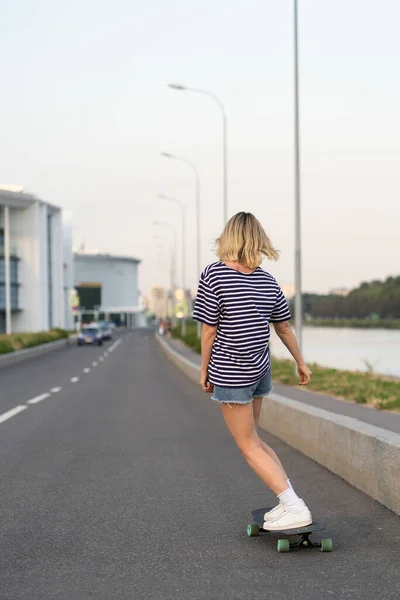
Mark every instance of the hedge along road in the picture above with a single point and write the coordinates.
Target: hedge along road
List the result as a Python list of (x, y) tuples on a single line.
[(126, 485)]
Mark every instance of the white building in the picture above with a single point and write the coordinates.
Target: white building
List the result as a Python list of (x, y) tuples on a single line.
[(108, 284), (159, 302), (35, 264)]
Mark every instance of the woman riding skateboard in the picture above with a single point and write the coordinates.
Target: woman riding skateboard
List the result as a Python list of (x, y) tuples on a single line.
[(236, 302)]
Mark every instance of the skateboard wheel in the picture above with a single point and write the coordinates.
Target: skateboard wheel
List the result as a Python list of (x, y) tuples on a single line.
[(326, 545), (283, 546), (253, 530)]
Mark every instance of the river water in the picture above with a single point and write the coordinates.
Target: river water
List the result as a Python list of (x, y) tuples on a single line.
[(351, 349)]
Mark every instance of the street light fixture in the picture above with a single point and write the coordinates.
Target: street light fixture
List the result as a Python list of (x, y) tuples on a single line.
[(197, 180), (173, 258), (182, 209), (180, 87)]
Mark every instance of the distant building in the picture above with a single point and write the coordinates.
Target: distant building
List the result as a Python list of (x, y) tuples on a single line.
[(35, 263), (158, 301), (108, 284), (340, 291)]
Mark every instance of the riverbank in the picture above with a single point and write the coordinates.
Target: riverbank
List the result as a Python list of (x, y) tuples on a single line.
[(354, 323), (363, 388)]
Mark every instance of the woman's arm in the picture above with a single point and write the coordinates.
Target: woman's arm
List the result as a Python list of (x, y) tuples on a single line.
[(208, 334), (284, 331)]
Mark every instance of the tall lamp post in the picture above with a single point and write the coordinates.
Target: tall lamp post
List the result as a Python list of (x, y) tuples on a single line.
[(161, 265), (181, 207), (197, 180), (178, 86), (173, 257), (297, 185)]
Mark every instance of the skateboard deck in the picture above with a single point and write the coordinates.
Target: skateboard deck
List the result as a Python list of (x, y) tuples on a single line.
[(285, 545)]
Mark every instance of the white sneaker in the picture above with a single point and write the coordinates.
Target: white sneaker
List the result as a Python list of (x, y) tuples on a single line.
[(289, 520), (274, 513)]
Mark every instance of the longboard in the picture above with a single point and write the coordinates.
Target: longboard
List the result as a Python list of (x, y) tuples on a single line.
[(285, 545)]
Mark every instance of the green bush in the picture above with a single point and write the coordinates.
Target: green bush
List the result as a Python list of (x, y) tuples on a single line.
[(5, 345), (19, 341)]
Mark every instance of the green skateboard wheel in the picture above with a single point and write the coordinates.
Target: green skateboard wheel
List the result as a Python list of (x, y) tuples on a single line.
[(253, 530), (283, 546), (326, 545)]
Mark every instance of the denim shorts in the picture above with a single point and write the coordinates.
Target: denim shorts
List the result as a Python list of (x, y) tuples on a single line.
[(243, 395)]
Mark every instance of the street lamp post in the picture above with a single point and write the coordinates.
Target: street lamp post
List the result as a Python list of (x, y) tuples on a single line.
[(173, 257), (181, 207), (297, 184), (160, 264), (197, 180), (6, 213), (177, 86)]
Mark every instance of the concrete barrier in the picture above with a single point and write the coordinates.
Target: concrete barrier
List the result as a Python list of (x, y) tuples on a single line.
[(12, 358), (366, 456)]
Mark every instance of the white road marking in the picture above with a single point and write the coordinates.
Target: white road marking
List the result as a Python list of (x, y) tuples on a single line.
[(105, 353), (55, 390), (87, 370), (94, 364), (11, 413), (74, 379), (101, 358), (39, 398), (115, 345)]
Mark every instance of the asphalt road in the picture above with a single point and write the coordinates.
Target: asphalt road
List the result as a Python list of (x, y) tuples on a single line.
[(125, 484)]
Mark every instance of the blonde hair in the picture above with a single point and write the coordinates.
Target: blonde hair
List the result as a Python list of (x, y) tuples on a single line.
[(244, 240)]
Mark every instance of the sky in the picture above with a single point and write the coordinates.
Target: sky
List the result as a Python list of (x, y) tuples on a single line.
[(86, 112)]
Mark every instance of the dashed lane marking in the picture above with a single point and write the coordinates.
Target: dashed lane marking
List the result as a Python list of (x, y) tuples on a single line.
[(11, 413), (39, 398), (114, 345)]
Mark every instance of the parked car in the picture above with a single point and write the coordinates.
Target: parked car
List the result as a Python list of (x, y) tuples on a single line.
[(90, 335), (106, 330)]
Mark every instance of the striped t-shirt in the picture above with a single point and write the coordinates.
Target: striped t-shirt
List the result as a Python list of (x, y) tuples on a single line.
[(242, 305)]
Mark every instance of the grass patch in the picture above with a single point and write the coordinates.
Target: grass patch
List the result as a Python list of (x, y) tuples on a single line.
[(354, 323), (362, 388), (20, 341)]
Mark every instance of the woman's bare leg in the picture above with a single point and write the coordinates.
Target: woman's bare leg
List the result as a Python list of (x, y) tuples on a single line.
[(240, 421), (257, 402)]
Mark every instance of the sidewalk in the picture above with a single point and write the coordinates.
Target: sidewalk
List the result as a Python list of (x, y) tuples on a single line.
[(386, 420)]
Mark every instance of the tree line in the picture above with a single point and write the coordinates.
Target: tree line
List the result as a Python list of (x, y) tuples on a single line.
[(371, 300)]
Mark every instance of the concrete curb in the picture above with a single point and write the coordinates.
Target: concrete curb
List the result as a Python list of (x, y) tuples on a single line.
[(366, 456), (13, 358)]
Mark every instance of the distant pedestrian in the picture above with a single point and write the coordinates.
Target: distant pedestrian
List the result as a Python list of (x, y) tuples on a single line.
[(162, 327), (168, 327), (236, 302)]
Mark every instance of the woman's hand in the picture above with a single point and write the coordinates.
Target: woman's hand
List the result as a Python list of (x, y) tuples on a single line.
[(208, 334), (205, 384), (304, 373)]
